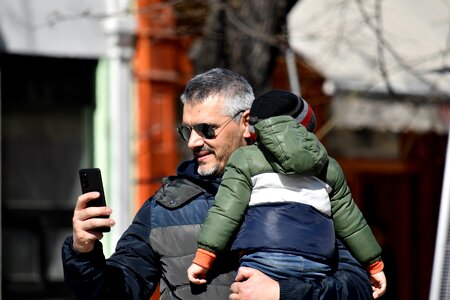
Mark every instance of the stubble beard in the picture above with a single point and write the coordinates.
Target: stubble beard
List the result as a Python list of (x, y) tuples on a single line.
[(214, 170), (217, 169)]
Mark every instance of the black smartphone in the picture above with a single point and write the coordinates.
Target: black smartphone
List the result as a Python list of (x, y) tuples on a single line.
[(91, 181)]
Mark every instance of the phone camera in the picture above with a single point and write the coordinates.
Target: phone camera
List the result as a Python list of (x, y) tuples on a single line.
[(84, 180)]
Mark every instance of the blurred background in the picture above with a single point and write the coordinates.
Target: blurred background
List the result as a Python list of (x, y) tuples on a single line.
[(97, 83)]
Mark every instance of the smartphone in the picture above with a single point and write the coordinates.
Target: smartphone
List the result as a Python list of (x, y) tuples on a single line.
[(91, 181)]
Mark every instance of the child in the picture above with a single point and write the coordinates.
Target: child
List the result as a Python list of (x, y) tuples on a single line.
[(286, 199)]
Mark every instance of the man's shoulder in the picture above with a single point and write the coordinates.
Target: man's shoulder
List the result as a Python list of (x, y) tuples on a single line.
[(177, 190)]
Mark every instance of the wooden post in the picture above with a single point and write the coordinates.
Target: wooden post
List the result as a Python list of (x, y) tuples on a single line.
[(160, 68), (155, 68)]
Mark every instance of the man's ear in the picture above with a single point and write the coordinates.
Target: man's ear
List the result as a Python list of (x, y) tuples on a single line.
[(245, 118)]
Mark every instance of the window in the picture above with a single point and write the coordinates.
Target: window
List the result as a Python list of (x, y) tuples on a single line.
[(46, 117)]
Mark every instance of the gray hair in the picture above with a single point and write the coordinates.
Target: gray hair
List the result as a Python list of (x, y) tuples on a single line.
[(235, 89)]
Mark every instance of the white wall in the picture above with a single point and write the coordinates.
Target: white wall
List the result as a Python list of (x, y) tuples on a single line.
[(67, 28)]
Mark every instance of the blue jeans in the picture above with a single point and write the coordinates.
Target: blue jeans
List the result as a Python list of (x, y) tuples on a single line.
[(282, 265)]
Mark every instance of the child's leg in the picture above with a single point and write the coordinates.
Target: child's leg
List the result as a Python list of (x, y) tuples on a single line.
[(282, 265)]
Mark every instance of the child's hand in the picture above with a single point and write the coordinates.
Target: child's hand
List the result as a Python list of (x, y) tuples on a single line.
[(196, 274), (379, 282)]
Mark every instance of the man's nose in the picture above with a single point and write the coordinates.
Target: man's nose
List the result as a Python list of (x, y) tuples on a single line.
[(195, 140)]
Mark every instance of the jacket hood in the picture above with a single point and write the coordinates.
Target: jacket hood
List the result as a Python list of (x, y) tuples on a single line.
[(289, 147)]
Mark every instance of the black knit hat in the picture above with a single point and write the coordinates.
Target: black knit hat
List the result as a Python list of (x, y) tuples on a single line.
[(281, 103)]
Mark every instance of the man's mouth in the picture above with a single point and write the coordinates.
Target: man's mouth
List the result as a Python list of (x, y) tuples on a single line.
[(202, 155)]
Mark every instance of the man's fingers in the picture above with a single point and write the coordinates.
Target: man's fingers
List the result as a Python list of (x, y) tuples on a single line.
[(85, 242), (85, 221), (85, 198), (234, 291), (233, 297), (91, 212), (82, 212), (90, 218), (235, 287), (243, 274)]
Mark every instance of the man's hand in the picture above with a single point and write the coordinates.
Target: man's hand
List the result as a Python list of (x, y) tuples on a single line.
[(85, 220), (379, 283), (252, 284), (196, 274)]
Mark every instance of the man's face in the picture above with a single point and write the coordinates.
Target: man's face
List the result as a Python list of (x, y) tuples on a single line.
[(212, 154)]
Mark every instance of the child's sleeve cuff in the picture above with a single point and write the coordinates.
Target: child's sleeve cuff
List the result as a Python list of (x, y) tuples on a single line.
[(376, 267), (204, 258)]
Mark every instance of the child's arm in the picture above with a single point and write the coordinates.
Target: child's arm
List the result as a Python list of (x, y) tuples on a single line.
[(349, 222), (352, 228), (196, 274), (379, 282), (231, 201), (224, 218), (202, 263)]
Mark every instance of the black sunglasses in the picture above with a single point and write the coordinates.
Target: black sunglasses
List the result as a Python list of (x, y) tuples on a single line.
[(205, 130)]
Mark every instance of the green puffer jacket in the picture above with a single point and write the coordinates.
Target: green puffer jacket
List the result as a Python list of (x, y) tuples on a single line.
[(349, 223), (286, 147)]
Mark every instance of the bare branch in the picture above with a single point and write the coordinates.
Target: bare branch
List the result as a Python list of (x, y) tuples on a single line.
[(387, 46)]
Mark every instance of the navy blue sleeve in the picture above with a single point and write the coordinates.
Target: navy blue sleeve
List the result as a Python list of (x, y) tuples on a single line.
[(350, 281), (132, 272)]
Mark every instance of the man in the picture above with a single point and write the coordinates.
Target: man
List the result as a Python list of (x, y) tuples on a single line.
[(160, 243)]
